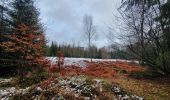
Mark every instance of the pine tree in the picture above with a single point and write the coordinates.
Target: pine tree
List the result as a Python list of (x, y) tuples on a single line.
[(53, 49), (5, 23), (26, 40), (26, 13), (165, 16), (26, 47)]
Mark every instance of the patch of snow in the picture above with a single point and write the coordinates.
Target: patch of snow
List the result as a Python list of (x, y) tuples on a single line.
[(98, 84), (81, 61), (98, 81), (137, 97), (4, 98), (76, 95), (13, 91), (126, 97), (38, 89), (122, 95), (3, 93), (87, 98), (53, 98), (5, 80)]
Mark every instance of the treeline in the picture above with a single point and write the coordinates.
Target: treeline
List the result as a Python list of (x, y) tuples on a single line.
[(82, 52), (22, 40)]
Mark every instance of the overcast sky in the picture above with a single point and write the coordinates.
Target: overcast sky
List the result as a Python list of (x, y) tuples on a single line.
[(63, 19)]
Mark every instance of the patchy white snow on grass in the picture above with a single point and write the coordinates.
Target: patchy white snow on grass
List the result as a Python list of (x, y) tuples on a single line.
[(81, 61), (78, 85), (5, 80), (70, 61), (12, 91), (4, 92)]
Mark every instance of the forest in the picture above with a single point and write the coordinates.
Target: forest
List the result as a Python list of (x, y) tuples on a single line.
[(82, 52), (36, 64)]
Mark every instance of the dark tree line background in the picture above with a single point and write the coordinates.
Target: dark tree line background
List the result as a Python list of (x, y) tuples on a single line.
[(82, 52)]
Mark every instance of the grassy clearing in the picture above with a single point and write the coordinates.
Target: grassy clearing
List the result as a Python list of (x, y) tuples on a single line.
[(149, 90), (131, 79)]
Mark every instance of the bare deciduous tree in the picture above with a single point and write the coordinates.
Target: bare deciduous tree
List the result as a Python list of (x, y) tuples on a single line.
[(89, 31), (145, 33)]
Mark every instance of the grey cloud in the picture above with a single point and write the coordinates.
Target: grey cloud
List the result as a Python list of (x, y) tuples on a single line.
[(63, 18)]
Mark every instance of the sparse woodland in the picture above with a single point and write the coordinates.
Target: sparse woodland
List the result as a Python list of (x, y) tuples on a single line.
[(138, 69), (147, 25)]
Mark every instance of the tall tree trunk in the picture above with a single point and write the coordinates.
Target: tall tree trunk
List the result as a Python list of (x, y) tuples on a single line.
[(90, 51), (2, 17), (142, 31)]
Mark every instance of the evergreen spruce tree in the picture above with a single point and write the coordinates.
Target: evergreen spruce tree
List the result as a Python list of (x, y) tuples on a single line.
[(24, 13), (5, 23)]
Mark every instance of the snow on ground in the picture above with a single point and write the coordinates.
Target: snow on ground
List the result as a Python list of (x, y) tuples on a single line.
[(5, 80), (10, 90), (78, 85), (70, 61), (81, 61), (77, 82)]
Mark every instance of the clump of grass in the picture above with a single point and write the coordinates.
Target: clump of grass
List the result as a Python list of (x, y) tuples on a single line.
[(34, 78), (123, 72), (145, 74), (145, 88), (106, 86), (4, 85)]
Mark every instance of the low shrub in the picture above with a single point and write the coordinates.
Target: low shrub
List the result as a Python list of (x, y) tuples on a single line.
[(34, 78), (145, 74)]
